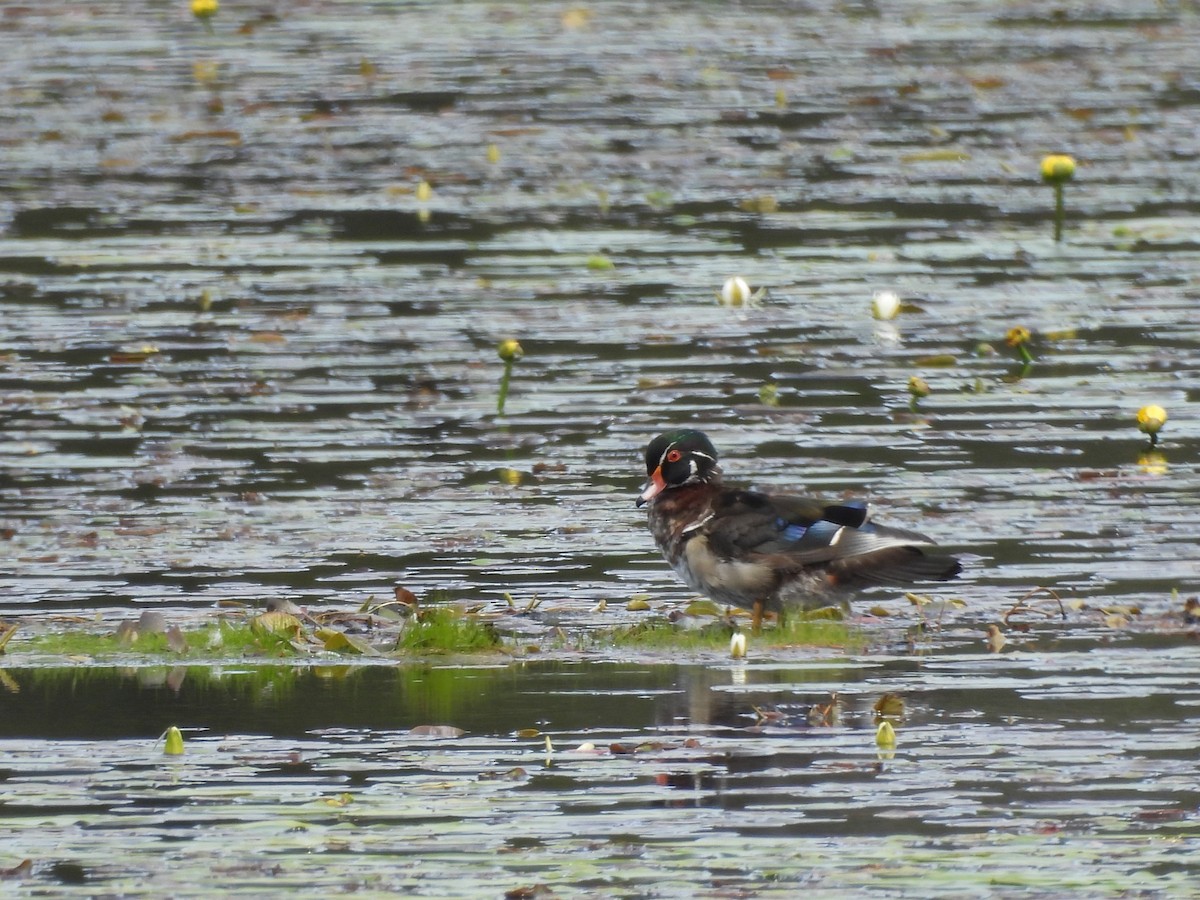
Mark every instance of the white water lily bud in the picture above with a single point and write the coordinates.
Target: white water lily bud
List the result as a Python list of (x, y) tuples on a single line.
[(885, 305), (735, 292), (737, 645)]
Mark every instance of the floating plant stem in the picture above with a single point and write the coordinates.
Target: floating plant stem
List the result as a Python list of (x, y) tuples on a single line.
[(509, 351), (1057, 170)]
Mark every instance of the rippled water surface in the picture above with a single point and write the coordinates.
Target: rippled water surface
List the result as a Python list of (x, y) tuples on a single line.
[(252, 285)]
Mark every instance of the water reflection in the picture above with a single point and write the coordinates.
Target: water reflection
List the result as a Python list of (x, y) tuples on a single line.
[(657, 761)]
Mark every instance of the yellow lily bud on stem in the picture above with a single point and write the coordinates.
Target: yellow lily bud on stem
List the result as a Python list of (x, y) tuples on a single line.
[(173, 744), (918, 390), (1150, 420), (1018, 337), (509, 351), (204, 10), (1057, 170)]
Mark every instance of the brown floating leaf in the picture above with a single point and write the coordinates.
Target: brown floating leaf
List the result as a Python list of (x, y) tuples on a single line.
[(20, 870), (988, 83), (515, 774), (176, 642), (230, 137), (891, 705), (152, 622), (436, 731), (124, 357), (528, 892), (947, 155)]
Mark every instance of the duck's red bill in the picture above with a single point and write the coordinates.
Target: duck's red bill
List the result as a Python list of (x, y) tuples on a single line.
[(652, 488)]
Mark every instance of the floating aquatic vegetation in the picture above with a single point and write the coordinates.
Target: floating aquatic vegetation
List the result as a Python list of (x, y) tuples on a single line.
[(447, 631)]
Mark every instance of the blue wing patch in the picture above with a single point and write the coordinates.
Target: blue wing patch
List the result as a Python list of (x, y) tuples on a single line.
[(790, 531)]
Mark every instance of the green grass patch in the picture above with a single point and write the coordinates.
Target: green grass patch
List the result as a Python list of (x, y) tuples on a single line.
[(816, 630), (445, 631), (222, 638)]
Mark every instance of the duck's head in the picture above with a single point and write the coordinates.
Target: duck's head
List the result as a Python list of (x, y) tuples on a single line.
[(676, 458)]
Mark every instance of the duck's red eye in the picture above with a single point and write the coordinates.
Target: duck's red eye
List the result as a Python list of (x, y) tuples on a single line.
[(674, 456)]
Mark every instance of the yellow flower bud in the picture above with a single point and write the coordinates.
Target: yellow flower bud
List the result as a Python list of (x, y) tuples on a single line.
[(1018, 336), (205, 9), (918, 388), (509, 350), (1057, 168), (1151, 419), (174, 742), (885, 735)]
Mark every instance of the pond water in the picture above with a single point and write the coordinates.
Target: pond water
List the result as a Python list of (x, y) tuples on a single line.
[(253, 282)]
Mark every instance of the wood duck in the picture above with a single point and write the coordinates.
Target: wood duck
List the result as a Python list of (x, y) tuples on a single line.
[(765, 552)]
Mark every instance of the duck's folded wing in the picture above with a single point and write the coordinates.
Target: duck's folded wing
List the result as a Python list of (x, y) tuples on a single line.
[(795, 533)]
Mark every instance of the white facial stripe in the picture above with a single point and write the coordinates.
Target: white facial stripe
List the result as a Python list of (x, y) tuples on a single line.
[(662, 459)]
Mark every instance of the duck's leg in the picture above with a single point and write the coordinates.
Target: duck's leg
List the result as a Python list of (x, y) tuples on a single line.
[(756, 617)]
